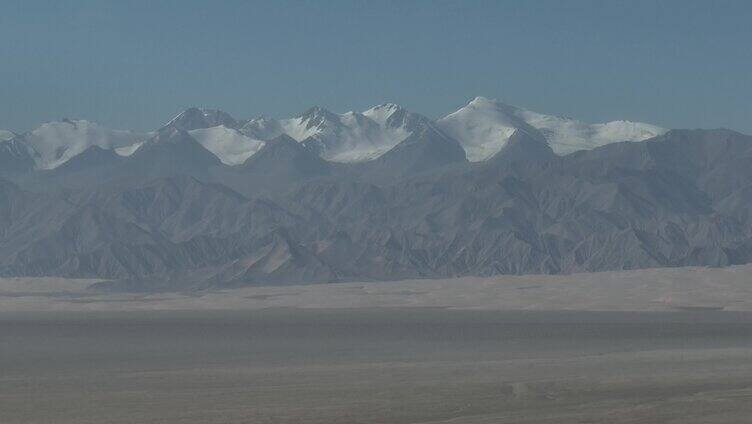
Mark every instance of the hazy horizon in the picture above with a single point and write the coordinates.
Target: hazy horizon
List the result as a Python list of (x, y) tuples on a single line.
[(676, 64)]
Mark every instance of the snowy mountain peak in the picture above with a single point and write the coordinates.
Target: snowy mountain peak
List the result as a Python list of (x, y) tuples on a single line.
[(384, 108), (484, 126), (381, 113), (195, 118), (317, 115), (316, 110), (485, 103), (57, 142), (390, 106), (170, 135), (493, 105), (262, 128), (481, 101), (348, 137)]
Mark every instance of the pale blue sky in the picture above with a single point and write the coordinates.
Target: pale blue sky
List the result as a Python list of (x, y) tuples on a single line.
[(135, 64)]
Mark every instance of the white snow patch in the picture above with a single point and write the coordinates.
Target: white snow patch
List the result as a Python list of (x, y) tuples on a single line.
[(128, 150), (347, 137), (262, 128), (57, 142), (484, 126), (381, 113), (297, 128), (6, 135), (229, 145), (567, 135)]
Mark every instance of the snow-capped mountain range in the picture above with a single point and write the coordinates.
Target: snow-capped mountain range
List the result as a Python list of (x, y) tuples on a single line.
[(54, 143), (349, 137), (482, 127)]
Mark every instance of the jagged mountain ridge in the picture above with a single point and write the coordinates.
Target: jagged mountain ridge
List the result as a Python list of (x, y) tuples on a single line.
[(349, 137), (674, 200), (482, 128)]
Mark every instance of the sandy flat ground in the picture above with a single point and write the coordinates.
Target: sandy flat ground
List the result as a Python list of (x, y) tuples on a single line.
[(375, 366), (641, 290), (658, 346)]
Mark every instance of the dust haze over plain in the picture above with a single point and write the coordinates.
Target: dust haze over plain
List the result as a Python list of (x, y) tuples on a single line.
[(415, 212)]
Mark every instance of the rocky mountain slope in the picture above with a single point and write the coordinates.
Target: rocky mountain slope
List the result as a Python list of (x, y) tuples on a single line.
[(171, 215)]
